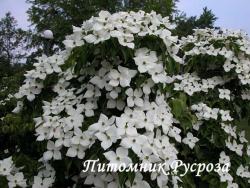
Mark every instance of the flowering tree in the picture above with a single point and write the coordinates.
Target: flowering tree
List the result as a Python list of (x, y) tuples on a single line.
[(127, 91)]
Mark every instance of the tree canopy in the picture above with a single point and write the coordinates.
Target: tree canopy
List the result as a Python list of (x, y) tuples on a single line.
[(186, 25)]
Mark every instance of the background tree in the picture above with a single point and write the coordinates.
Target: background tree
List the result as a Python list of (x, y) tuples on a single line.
[(12, 40), (13, 53), (185, 25), (163, 7), (14, 130)]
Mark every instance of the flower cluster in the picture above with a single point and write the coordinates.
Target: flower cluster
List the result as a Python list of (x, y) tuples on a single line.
[(205, 112), (44, 67), (12, 174), (121, 102), (45, 177), (7, 99), (207, 41), (191, 83)]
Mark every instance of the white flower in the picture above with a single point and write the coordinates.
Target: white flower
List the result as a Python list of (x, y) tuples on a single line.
[(162, 180), (210, 113), (165, 149), (175, 133), (51, 121), (147, 85), (60, 87), (197, 125), (89, 107), (225, 115), (224, 159), (145, 120), (53, 152), (115, 92), (119, 157), (243, 172), (126, 40), (135, 143), (50, 68), (224, 176), (138, 182), (40, 182), (100, 79), (6, 166), (64, 140), (237, 148), (119, 104), (158, 74), (16, 180), (52, 108), (92, 91), (245, 95), (103, 124), (18, 108), (47, 172), (145, 59), (148, 156), (228, 66), (81, 138), (242, 137), (163, 118), (74, 40), (75, 120), (108, 137), (248, 150), (123, 77), (190, 140), (91, 39), (229, 129), (224, 94), (232, 185), (94, 179), (125, 128), (76, 150), (134, 97), (129, 115)]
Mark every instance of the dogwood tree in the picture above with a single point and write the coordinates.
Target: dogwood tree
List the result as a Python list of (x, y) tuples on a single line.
[(126, 90)]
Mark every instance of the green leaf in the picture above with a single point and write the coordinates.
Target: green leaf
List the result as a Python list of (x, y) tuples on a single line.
[(188, 181), (122, 176), (178, 107), (181, 111), (131, 177)]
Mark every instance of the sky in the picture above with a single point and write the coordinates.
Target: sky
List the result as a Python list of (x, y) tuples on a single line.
[(232, 14), (18, 9)]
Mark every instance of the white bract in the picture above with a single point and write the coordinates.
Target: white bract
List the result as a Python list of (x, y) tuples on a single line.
[(134, 97), (121, 76), (119, 157), (224, 94), (190, 140)]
